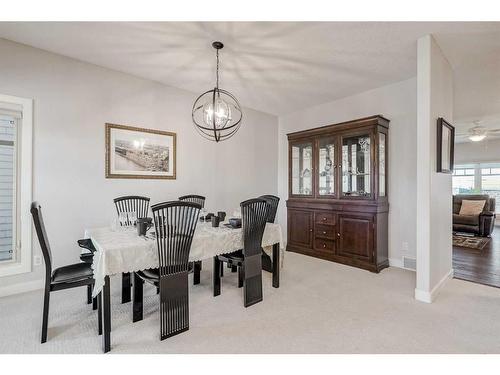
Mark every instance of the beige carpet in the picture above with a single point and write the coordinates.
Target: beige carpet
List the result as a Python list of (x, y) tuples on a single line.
[(321, 307)]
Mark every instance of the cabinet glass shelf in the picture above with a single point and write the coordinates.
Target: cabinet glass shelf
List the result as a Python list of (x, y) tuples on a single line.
[(302, 168), (356, 156)]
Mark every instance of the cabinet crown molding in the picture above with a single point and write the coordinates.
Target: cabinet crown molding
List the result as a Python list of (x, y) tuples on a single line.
[(346, 125)]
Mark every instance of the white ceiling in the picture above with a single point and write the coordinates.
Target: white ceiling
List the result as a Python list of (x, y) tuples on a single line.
[(281, 67)]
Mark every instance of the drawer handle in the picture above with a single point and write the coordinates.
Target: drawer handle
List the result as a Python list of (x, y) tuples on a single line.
[(338, 235), (324, 245), (310, 230), (324, 232), (324, 219)]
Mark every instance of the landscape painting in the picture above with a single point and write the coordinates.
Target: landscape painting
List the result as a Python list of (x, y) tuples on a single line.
[(139, 153)]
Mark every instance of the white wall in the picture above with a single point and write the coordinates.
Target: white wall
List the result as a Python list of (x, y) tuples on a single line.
[(434, 211), (73, 100), (477, 152), (397, 102)]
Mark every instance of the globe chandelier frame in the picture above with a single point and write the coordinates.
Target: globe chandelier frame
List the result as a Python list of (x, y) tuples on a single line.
[(213, 111)]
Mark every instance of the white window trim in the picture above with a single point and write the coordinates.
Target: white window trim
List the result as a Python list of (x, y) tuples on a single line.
[(24, 243)]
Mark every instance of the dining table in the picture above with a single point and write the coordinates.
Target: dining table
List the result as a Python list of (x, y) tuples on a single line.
[(122, 250)]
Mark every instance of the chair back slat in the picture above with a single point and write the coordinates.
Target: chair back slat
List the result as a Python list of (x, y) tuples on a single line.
[(273, 202), (36, 213), (254, 213), (175, 223), (132, 203), (193, 198)]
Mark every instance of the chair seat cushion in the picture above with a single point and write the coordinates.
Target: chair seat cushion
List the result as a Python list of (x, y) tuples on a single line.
[(236, 257), (152, 275), (73, 272), (87, 257), (465, 219)]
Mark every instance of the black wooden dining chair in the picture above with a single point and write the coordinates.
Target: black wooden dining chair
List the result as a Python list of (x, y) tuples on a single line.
[(71, 276), (139, 205), (193, 198), (132, 203), (273, 202), (175, 223), (254, 213)]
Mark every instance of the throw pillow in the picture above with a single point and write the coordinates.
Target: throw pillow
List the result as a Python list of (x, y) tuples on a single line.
[(472, 208)]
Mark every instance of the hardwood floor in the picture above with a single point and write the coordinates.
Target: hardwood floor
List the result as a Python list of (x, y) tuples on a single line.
[(479, 266)]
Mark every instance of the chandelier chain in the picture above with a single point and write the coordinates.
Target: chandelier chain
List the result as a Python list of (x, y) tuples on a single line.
[(217, 69)]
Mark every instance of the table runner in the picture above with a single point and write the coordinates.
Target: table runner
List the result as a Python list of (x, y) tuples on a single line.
[(122, 250)]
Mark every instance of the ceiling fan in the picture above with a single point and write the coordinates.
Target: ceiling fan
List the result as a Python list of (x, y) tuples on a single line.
[(477, 133)]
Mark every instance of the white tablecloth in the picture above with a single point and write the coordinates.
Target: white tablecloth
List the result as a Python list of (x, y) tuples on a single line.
[(123, 250)]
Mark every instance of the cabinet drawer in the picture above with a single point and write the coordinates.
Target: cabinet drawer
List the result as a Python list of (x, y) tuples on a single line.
[(323, 244), (324, 231), (327, 218)]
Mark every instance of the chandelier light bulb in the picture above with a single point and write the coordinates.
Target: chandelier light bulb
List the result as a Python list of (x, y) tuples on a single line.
[(219, 117)]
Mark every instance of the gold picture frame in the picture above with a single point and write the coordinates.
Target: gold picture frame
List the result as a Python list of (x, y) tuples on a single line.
[(131, 155)]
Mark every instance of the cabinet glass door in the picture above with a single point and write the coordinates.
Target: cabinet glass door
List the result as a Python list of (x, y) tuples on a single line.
[(356, 166), (381, 164), (302, 168), (326, 166)]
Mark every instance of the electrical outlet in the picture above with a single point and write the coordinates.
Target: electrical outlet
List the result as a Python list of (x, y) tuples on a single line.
[(405, 246), (37, 260)]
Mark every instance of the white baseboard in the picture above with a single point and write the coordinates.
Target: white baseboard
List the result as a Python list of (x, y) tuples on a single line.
[(21, 288), (429, 297), (393, 262)]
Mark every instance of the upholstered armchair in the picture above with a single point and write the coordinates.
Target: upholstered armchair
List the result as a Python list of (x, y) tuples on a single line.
[(481, 225)]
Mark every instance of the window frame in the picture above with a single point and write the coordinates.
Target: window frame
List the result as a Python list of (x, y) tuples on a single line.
[(23, 174), (15, 204)]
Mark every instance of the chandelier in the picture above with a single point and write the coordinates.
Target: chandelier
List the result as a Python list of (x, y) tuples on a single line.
[(216, 113)]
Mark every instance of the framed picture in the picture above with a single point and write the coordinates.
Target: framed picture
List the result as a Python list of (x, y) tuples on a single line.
[(445, 146), (139, 153)]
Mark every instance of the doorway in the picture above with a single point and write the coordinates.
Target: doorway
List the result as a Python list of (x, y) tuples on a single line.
[(476, 241)]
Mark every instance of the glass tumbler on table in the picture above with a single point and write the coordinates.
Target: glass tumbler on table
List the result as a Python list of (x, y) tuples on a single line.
[(132, 218), (203, 213), (122, 218)]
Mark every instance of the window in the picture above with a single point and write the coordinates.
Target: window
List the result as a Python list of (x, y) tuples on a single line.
[(8, 194), (481, 178), (15, 184), (463, 180)]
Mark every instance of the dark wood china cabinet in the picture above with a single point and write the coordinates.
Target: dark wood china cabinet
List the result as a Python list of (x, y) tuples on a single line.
[(337, 188)]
